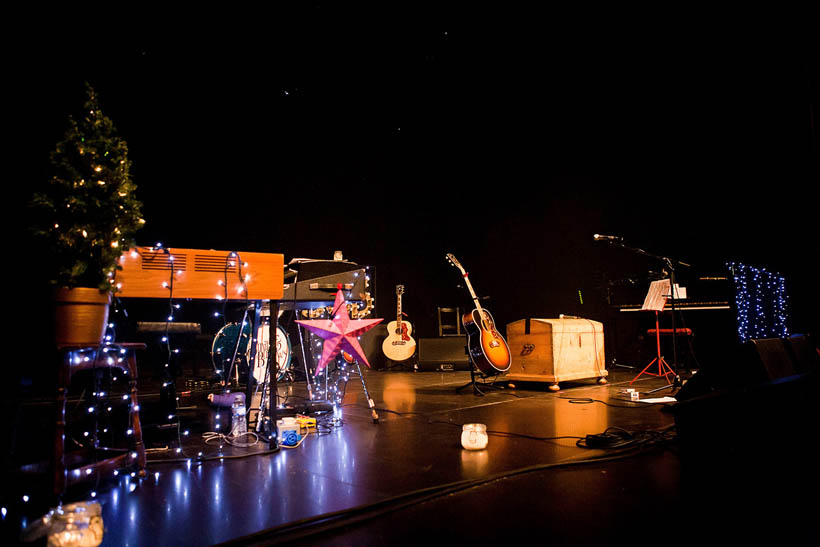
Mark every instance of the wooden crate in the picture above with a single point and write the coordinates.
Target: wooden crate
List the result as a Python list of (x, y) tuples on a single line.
[(556, 350)]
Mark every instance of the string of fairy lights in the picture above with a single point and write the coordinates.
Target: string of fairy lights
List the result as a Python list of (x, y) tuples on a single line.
[(232, 261), (330, 383), (101, 413), (111, 403), (101, 397), (109, 400), (761, 301)]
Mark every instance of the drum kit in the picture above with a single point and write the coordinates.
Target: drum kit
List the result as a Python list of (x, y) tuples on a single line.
[(232, 346), (233, 349), (238, 357)]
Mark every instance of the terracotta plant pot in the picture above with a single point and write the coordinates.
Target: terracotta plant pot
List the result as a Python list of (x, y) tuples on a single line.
[(80, 316)]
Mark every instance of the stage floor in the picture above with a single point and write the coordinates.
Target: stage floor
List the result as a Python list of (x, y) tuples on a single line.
[(405, 478)]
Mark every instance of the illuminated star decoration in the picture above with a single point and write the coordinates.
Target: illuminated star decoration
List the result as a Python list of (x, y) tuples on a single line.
[(340, 333)]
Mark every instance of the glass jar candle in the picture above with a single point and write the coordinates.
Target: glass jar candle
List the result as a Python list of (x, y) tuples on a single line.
[(474, 436), (76, 525)]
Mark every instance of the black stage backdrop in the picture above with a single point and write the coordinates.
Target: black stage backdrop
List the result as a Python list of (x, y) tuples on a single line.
[(507, 137)]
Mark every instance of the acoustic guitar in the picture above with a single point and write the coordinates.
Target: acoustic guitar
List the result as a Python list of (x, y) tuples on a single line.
[(488, 350), (399, 345)]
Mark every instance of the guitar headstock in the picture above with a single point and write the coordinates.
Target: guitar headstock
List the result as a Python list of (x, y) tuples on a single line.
[(454, 261), (399, 290)]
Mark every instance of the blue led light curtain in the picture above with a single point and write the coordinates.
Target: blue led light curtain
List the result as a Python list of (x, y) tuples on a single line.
[(761, 302)]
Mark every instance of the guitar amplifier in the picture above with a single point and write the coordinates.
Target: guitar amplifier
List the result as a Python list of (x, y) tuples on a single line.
[(444, 354)]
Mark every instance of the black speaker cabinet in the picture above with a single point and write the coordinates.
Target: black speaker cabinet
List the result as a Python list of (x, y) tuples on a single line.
[(371, 342), (755, 362), (446, 353), (804, 353), (701, 383), (769, 359)]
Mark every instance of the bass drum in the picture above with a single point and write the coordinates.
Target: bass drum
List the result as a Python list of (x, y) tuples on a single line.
[(284, 352), (225, 343)]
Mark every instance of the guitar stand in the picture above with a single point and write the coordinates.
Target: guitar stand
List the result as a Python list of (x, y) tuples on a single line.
[(476, 391)]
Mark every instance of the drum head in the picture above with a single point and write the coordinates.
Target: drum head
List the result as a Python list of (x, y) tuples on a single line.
[(284, 353), (225, 344)]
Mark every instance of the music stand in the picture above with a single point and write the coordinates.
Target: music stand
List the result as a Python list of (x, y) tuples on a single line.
[(670, 265), (655, 301)]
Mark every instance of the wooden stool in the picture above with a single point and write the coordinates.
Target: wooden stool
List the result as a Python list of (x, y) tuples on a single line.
[(122, 357)]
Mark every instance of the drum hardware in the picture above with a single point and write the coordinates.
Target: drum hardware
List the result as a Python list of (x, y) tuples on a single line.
[(261, 370), (226, 341), (268, 397), (309, 378), (262, 398), (232, 339), (234, 364), (308, 381)]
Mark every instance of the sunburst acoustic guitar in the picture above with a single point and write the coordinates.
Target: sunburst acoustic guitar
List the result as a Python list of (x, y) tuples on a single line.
[(488, 350)]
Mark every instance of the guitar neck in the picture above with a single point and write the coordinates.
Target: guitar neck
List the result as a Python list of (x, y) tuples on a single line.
[(472, 292), (466, 277), (398, 311)]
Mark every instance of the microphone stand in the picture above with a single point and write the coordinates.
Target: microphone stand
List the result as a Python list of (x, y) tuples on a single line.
[(670, 265), (676, 384)]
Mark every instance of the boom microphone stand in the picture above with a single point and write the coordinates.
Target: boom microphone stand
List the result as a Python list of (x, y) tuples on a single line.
[(669, 264)]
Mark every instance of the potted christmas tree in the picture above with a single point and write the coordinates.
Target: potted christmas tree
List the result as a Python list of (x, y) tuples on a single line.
[(86, 218)]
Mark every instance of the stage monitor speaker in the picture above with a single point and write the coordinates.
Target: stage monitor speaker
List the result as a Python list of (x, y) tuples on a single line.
[(757, 361), (701, 383), (446, 353), (769, 359), (371, 342), (804, 354)]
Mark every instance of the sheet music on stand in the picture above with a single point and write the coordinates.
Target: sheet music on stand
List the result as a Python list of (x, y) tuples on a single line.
[(658, 294)]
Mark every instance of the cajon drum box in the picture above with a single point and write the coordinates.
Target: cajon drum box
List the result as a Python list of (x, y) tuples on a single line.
[(556, 350)]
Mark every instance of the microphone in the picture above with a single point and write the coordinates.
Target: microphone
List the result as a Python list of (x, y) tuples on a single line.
[(600, 237)]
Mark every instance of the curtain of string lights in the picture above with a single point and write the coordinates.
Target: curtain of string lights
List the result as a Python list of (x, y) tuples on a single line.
[(761, 301)]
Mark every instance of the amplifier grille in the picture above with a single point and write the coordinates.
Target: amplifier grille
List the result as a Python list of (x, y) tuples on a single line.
[(217, 264), (159, 260)]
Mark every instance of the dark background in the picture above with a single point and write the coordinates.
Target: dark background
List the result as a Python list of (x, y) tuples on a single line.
[(397, 135)]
